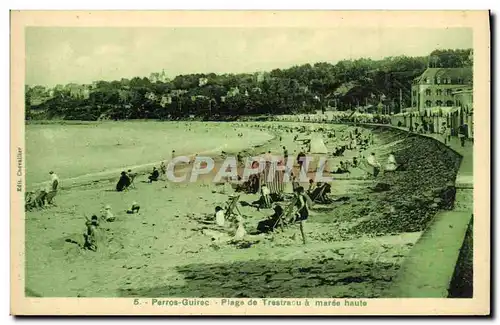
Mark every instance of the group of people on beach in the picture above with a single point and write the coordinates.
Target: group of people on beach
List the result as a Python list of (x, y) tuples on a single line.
[(45, 195), (301, 200)]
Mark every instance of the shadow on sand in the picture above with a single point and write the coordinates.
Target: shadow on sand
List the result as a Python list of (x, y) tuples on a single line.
[(279, 279)]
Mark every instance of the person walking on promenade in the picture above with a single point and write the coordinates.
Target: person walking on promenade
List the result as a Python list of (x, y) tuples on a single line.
[(463, 133), (444, 133)]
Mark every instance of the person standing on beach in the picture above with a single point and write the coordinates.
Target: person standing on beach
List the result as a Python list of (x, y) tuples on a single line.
[(54, 180), (302, 210), (90, 240)]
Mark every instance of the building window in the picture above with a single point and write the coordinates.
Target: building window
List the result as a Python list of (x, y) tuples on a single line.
[(438, 80), (428, 103), (414, 93), (414, 104), (427, 80), (439, 103), (460, 81), (449, 103), (427, 92), (439, 92), (448, 92)]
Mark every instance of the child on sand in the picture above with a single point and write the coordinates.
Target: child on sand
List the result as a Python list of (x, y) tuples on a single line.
[(240, 230), (107, 215), (219, 216), (391, 163), (372, 162), (135, 208), (54, 181), (89, 236), (154, 175)]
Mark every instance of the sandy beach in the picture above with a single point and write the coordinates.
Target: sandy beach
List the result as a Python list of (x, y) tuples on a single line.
[(168, 249)]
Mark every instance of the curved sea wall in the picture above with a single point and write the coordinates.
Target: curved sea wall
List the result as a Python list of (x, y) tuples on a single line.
[(440, 263), (417, 193)]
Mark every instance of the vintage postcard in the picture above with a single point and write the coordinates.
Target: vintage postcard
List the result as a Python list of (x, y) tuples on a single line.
[(250, 163)]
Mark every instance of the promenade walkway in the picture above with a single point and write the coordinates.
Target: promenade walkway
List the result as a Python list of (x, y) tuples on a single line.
[(428, 270)]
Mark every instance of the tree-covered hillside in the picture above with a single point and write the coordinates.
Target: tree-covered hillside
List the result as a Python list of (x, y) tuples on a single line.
[(306, 88)]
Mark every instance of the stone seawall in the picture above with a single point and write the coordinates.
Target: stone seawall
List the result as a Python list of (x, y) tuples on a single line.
[(417, 193)]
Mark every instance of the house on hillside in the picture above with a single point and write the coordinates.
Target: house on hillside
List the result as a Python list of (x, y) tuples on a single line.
[(177, 92), (78, 91), (158, 77), (435, 87), (151, 96), (202, 82), (233, 92), (165, 100), (261, 76)]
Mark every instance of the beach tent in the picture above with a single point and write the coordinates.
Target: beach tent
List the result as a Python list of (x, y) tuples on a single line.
[(317, 146)]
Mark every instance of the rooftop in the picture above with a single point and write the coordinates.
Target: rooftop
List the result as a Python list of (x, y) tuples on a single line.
[(443, 73)]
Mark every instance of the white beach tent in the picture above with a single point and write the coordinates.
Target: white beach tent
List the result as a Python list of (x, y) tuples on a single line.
[(317, 146)]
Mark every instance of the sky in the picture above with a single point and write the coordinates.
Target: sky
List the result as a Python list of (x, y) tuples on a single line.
[(85, 54)]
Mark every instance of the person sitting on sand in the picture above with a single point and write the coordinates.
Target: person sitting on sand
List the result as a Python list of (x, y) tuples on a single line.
[(391, 163), (123, 182), (219, 216), (265, 196), (154, 175), (253, 183), (89, 236), (240, 229), (372, 162), (355, 161), (41, 197), (342, 168), (135, 208), (320, 194), (107, 215), (312, 186), (271, 222)]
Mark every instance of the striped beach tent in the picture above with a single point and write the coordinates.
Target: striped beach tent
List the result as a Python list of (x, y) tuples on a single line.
[(273, 178)]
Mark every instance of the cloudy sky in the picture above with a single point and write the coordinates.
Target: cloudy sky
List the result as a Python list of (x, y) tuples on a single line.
[(81, 55)]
